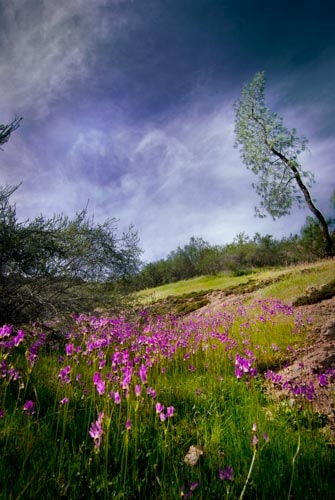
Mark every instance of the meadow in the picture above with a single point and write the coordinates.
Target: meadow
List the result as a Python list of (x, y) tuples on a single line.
[(164, 407)]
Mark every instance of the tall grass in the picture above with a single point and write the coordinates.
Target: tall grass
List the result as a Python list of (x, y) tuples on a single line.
[(162, 408)]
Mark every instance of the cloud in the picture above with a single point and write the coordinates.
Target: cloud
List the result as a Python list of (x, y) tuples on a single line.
[(49, 47), (129, 105)]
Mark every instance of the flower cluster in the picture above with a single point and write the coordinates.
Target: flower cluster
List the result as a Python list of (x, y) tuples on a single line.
[(160, 411), (243, 366)]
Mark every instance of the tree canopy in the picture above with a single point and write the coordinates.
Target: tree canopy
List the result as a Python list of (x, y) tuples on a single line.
[(52, 266), (271, 151)]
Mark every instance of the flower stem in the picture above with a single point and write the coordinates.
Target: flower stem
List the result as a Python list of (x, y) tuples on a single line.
[(249, 473)]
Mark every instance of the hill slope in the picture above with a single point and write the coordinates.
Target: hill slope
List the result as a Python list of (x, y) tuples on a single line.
[(310, 288)]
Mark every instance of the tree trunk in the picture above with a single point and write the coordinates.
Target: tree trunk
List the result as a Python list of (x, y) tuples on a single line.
[(322, 222)]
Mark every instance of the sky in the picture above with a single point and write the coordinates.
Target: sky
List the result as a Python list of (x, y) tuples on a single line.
[(127, 108)]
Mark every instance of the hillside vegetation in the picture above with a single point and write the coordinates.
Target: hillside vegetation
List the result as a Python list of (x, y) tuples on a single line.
[(174, 405), (286, 283)]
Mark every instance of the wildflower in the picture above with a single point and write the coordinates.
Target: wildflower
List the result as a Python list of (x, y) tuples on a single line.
[(64, 401), (117, 398), (254, 440), (127, 378), (265, 436), (143, 374), (159, 408), (69, 349), (18, 338), (102, 364), (227, 474), (137, 390), (2, 413), (169, 411), (194, 485), (64, 374), (151, 392), (323, 380), (29, 407), (162, 416), (128, 424), (96, 430), (101, 387), (100, 384)]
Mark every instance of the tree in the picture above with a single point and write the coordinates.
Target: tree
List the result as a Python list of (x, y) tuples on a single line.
[(6, 130), (49, 267), (271, 151)]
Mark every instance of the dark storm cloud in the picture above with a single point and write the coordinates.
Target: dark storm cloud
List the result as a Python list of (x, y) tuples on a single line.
[(128, 104)]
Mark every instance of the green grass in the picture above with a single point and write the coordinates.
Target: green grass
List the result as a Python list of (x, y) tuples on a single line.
[(191, 365), (299, 280), (284, 283), (201, 283)]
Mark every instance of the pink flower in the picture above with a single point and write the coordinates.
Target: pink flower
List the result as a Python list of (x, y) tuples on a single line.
[(169, 411), (143, 374), (159, 408), (96, 430), (69, 349)]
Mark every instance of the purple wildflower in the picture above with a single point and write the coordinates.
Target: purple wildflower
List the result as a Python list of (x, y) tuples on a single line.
[(227, 474), (323, 380), (151, 392), (69, 349), (169, 411), (18, 338), (117, 398), (143, 374), (96, 430), (159, 408), (64, 374), (29, 407)]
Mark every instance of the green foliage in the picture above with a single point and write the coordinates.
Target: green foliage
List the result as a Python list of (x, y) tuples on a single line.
[(260, 135), (241, 257), (271, 151), (52, 266)]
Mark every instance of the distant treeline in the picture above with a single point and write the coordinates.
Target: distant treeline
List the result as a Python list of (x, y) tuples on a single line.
[(198, 257)]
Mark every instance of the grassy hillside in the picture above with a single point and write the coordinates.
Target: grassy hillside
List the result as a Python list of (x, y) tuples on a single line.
[(286, 283), (165, 407)]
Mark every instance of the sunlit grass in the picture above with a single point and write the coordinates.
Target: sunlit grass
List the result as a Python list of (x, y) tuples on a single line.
[(296, 283), (295, 280)]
